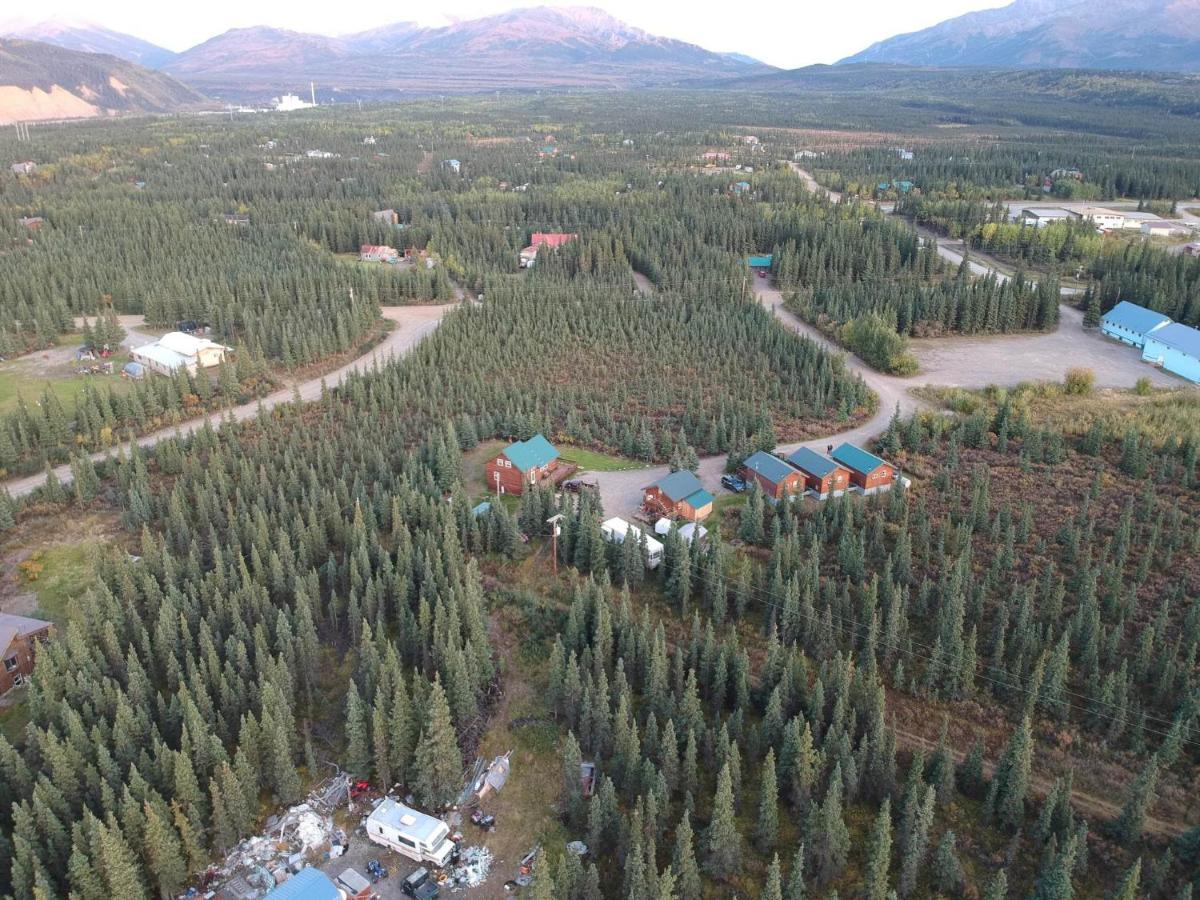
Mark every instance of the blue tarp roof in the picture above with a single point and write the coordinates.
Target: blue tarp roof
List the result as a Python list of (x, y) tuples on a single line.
[(525, 455), (1134, 318), (857, 458), (482, 508), (1178, 337), (812, 462), (769, 466), (307, 884), (679, 485)]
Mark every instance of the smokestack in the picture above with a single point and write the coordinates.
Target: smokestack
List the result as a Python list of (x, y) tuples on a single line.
[(312, 88)]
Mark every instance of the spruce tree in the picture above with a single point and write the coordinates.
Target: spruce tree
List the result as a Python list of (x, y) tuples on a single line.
[(1128, 888), (767, 830), (948, 874), (683, 860), (773, 889), (722, 841), (1129, 824), (879, 854), (438, 762)]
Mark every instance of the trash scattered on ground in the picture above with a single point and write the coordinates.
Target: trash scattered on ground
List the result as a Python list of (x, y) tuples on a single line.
[(475, 863), (289, 841)]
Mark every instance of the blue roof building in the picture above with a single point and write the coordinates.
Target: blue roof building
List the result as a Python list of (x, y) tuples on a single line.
[(1130, 323), (812, 462), (1176, 348), (307, 884), (482, 509), (768, 466), (760, 260), (679, 494), (531, 454)]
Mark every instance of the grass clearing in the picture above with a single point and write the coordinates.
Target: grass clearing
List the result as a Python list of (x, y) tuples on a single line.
[(593, 461), (68, 572), (28, 375)]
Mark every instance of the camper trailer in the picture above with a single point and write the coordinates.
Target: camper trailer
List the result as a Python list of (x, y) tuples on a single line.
[(411, 833), (615, 530)]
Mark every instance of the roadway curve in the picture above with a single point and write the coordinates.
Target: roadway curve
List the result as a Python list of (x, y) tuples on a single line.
[(412, 324)]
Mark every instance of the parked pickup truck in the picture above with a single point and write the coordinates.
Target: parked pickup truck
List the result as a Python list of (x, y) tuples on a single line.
[(733, 483), (420, 886)]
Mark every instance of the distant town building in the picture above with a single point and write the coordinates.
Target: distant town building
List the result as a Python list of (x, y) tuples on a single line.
[(741, 187), (239, 219), (290, 103), (1192, 249), (552, 239), (453, 165), (805, 154), (716, 156), (1041, 216), (903, 153), (760, 260), (23, 168), (378, 253), (1162, 228), (33, 223), (386, 216), (1103, 218)]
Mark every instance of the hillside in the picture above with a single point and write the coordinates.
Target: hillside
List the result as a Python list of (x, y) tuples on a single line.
[(41, 81), (1159, 35), (89, 38), (516, 50)]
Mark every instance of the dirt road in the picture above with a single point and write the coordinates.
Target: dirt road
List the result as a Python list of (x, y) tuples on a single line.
[(412, 324)]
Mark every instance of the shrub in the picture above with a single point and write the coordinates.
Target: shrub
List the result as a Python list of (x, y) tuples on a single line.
[(874, 340), (1143, 387), (1080, 381)]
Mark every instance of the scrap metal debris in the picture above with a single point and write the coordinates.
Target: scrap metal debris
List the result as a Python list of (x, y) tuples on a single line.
[(475, 863)]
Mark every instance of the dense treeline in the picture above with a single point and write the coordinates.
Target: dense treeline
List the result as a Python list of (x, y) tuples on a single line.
[(1014, 167), (1120, 269), (715, 764)]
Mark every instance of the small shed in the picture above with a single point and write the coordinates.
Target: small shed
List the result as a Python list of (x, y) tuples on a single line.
[(1175, 348), (741, 187), (1129, 323), (868, 472), (482, 509), (774, 477)]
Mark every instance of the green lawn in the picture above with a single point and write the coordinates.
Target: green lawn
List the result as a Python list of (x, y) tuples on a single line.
[(591, 461), (68, 570), (721, 505), (27, 376)]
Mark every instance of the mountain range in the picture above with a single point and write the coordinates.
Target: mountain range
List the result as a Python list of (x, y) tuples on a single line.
[(1155, 35), (41, 81)]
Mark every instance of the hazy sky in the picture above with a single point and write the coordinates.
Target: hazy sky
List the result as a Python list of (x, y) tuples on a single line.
[(786, 33)]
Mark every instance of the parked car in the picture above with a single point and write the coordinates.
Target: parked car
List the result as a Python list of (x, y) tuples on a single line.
[(578, 485), (762, 273), (733, 483), (419, 885)]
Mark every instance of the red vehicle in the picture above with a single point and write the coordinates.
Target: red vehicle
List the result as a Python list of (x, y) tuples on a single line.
[(359, 789)]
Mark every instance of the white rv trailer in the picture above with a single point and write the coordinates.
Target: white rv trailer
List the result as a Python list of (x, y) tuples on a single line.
[(410, 833), (615, 530)]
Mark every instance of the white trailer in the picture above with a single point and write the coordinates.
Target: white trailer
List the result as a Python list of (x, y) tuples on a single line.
[(616, 530), (410, 833)]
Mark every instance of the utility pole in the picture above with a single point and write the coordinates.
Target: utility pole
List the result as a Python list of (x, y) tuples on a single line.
[(555, 528), (312, 89)]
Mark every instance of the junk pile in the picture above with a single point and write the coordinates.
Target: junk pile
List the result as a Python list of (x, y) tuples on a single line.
[(474, 865), (287, 844)]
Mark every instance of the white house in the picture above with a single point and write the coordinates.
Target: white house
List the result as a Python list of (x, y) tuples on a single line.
[(1162, 228), (1041, 216), (615, 530), (1103, 218), (410, 833), (176, 350)]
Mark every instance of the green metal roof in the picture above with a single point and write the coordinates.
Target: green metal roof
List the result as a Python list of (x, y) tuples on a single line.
[(760, 260), (699, 499), (526, 455), (812, 462), (769, 466), (857, 458), (679, 485)]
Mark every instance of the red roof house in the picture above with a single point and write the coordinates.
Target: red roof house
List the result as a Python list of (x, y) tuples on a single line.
[(541, 239)]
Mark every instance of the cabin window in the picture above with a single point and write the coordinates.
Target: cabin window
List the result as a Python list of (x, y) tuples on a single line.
[(10, 663)]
